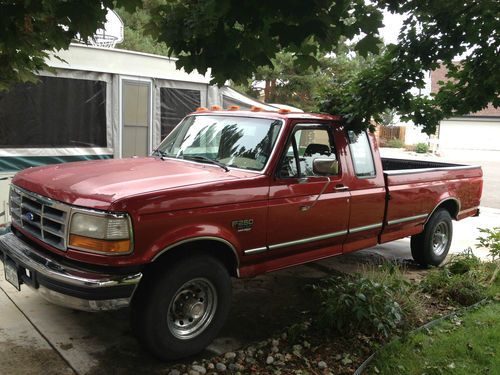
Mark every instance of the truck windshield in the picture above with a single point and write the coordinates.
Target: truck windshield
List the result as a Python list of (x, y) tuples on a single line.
[(239, 142)]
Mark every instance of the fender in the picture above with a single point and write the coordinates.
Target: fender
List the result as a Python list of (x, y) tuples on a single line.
[(441, 203), (197, 233)]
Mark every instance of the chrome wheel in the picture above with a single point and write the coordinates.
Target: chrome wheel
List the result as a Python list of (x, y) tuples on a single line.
[(440, 238), (192, 308)]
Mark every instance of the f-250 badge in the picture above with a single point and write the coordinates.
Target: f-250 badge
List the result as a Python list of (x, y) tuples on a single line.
[(243, 225)]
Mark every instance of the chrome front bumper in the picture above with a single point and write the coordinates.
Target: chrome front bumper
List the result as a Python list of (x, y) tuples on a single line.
[(68, 285)]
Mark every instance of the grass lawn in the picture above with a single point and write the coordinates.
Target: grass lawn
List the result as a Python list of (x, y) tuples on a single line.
[(467, 344)]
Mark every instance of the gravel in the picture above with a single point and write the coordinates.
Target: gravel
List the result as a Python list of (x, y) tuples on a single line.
[(221, 367), (322, 365)]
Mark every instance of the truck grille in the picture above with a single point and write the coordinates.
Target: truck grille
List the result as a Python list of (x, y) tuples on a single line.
[(41, 217)]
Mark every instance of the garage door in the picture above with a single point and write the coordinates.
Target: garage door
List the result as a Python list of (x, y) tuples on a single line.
[(470, 134)]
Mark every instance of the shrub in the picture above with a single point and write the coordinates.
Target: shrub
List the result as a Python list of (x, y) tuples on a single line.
[(359, 304), (491, 241), (422, 148), (395, 143), (461, 280)]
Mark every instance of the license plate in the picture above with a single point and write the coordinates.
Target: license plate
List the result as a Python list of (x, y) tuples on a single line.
[(12, 274)]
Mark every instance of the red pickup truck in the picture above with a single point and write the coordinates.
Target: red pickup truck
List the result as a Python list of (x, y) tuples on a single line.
[(226, 194)]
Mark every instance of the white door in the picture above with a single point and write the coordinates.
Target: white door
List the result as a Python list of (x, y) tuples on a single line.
[(136, 117)]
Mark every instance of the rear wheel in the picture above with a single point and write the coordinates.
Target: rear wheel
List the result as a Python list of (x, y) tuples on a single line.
[(430, 247), (180, 310)]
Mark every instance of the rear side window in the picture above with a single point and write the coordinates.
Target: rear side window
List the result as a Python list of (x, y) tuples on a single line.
[(361, 153)]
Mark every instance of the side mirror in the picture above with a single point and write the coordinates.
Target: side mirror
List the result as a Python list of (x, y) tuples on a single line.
[(324, 166)]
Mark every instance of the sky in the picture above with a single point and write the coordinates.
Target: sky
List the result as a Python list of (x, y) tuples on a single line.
[(390, 31)]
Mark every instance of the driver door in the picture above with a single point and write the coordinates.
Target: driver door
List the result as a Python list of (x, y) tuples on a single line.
[(308, 212)]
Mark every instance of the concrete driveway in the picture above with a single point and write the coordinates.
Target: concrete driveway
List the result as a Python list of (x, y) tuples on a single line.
[(36, 336)]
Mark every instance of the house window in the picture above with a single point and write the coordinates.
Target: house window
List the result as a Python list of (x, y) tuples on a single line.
[(175, 105), (55, 112)]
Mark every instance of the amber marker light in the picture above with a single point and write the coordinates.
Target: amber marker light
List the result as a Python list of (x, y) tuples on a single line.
[(201, 109), (216, 108), (97, 245), (234, 108), (284, 110), (256, 109)]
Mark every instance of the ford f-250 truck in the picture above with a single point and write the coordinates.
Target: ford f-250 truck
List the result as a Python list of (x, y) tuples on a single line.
[(226, 194)]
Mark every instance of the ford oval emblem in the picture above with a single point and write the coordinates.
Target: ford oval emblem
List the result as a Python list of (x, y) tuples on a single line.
[(29, 216)]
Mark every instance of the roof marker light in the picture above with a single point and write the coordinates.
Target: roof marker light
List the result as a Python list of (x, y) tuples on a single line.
[(201, 109), (256, 109), (233, 108), (284, 110), (216, 108)]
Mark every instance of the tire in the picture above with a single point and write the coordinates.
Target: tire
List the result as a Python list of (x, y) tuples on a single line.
[(431, 247), (179, 310)]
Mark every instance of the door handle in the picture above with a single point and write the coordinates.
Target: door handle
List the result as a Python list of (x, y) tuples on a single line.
[(341, 187)]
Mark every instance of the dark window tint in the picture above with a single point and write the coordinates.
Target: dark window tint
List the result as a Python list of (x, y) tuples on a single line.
[(175, 105), (56, 112), (361, 152)]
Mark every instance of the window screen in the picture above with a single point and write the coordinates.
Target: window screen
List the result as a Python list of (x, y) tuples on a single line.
[(56, 112), (361, 153), (175, 105)]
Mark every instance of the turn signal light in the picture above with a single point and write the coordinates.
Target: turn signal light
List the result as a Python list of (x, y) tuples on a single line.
[(216, 108), (97, 245)]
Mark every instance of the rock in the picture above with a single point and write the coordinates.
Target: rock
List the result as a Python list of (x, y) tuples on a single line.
[(275, 349), (284, 335), (200, 369), (275, 342), (322, 365), (193, 372), (297, 348), (221, 367), (230, 355), (269, 359), (174, 372), (210, 366), (232, 367)]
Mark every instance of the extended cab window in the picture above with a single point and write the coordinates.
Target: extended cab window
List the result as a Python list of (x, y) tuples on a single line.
[(239, 142), (306, 145), (361, 153)]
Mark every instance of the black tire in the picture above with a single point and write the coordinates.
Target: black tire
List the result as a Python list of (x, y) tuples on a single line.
[(159, 307), (431, 247)]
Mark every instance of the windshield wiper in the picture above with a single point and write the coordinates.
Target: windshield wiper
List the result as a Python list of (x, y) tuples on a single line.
[(204, 159)]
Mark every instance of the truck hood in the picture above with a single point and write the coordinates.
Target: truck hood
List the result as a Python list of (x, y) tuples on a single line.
[(97, 184)]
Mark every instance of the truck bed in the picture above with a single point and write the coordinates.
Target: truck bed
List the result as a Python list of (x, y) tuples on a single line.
[(416, 187), (392, 165)]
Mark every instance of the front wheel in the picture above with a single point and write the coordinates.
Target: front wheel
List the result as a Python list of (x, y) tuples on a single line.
[(430, 247), (180, 310)]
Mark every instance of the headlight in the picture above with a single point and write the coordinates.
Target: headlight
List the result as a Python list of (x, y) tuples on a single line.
[(107, 234)]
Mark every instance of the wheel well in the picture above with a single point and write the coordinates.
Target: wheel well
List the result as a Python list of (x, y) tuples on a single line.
[(450, 205), (218, 249)]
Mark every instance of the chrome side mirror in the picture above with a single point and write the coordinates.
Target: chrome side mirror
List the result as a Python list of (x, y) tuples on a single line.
[(324, 166)]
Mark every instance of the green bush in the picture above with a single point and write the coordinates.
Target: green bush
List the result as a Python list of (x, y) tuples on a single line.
[(422, 148), (461, 280), (491, 241), (359, 304), (395, 143)]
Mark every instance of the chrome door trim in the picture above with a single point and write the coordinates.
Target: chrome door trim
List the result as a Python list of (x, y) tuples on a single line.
[(365, 227), (308, 239), (405, 219)]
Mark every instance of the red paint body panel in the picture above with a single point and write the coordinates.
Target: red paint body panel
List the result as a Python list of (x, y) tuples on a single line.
[(170, 201)]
